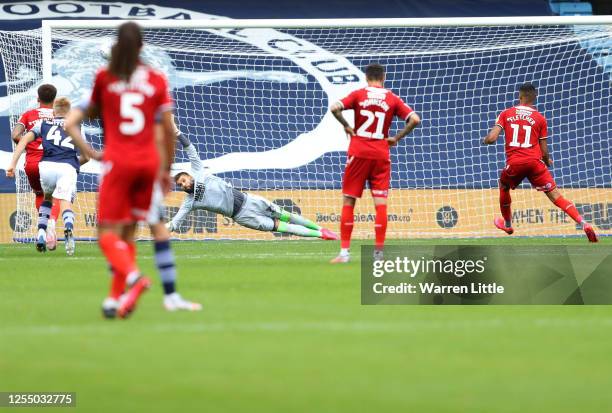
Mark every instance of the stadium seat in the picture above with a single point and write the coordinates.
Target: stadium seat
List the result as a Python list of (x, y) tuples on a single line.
[(571, 8)]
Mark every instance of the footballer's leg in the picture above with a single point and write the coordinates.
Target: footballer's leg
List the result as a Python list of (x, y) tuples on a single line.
[(68, 218), (379, 183), (44, 212), (113, 211), (353, 181), (302, 231), (32, 170), (165, 262), (118, 255), (259, 214), (164, 257), (47, 180), (347, 220), (541, 179), (505, 201), (289, 221), (570, 209), (510, 177), (65, 190), (51, 232), (138, 283)]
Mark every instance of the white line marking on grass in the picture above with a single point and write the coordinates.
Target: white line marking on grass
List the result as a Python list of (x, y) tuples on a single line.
[(333, 326), (273, 326)]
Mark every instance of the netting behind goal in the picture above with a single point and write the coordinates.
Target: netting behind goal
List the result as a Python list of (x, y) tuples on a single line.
[(255, 102)]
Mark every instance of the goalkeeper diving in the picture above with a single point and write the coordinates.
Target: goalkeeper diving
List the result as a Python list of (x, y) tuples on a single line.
[(211, 193)]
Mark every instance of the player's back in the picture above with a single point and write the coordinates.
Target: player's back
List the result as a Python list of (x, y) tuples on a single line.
[(523, 128), (374, 109), (57, 145), (29, 119), (128, 111)]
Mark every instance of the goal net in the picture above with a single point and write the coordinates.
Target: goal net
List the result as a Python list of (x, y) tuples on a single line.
[(254, 101)]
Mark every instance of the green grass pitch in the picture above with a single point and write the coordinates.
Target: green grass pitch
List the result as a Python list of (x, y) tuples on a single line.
[(284, 331)]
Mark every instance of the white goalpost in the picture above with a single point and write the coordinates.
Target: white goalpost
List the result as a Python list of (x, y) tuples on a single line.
[(253, 95)]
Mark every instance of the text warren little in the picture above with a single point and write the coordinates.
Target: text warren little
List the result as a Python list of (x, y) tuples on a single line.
[(431, 288)]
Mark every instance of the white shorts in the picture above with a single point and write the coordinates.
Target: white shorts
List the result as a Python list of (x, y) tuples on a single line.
[(157, 210), (58, 179)]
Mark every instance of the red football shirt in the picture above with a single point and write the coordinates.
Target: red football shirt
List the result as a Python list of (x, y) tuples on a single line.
[(34, 149), (129, 111), (523, 127), (374, 109)]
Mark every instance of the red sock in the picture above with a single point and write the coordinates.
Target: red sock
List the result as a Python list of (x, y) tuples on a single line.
[(39, 200), (569, 209), (380, 226), (132, 250), (117, 286), (346, 225), (118, 254), (505, 200), (55, 209)]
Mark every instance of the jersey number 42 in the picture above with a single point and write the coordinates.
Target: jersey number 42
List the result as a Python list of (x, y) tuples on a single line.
[(58, 138)]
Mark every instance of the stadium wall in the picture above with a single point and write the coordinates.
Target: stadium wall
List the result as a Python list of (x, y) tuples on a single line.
[(452, 213)]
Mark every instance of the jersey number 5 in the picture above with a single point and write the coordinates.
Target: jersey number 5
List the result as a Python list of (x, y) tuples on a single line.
[(56, 136), (370, 116), (515, 132), (135, 119)]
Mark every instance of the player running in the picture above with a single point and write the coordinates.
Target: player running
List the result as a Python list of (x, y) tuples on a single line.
[(368, 152), (527, 156), (211, 193), (34, 153), (58, 171), (130, 98)]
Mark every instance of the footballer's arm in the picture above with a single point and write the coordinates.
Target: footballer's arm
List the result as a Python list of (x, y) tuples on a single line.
[(182, 213), (167, 141), (17, 132), (412, 122), (545, 155), (23, 142), (194, 158), (336, 110), (192, 152), (492, 135), (72, 126)]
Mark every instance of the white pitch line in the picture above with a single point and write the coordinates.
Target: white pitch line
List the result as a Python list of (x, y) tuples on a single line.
[(334, 326), (247, 327)]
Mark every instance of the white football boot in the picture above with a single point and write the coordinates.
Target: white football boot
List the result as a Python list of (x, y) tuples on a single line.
[(174, 302)]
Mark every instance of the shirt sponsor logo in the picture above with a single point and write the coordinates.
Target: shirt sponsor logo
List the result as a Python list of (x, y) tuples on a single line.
[(198, 193)]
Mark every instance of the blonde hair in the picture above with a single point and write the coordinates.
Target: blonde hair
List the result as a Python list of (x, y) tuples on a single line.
[(61, 106)]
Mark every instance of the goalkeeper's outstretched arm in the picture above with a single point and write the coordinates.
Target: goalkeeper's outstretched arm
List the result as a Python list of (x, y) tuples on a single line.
[(192, 152), (182, 213)]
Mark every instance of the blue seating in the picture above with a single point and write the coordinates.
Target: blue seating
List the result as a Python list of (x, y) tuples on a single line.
[(571, 8)]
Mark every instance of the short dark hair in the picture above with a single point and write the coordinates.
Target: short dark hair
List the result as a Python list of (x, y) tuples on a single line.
[(375, 71), (178, 175), (528, 89), (47, 93)]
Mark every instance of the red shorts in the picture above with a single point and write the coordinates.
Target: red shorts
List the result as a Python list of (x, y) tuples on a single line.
[(359, 170), (536, 171), (125, 191), (31, 170)]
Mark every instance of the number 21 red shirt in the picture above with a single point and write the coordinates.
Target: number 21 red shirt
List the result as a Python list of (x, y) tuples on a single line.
[(374, 109)]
